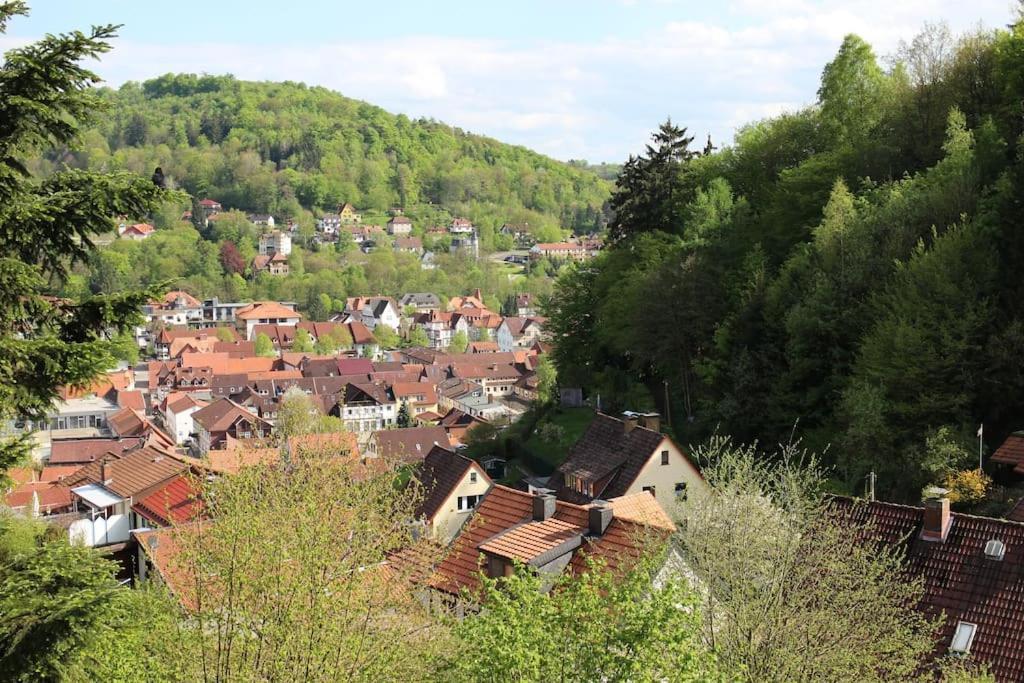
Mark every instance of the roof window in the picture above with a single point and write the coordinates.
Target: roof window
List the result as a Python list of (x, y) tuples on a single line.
[(963, 637), (995, 550)]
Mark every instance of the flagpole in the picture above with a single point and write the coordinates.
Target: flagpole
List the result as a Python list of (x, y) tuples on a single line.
[(981, 457)]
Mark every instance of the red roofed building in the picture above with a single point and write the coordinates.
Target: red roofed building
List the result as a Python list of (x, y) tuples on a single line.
[(1011, 453), (266, 313), (549, 535), (137, 231), (973, 572), (176, 502)]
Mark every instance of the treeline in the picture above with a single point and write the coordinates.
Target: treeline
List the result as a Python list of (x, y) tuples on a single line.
[(289, 149), (848, 273)]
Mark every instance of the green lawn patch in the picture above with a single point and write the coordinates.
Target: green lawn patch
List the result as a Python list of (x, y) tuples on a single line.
[(551, 439)]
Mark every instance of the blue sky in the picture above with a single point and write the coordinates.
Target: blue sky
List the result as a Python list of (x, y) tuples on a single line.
[(570, 78)]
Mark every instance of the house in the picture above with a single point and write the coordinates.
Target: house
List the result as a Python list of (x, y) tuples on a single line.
[(275, 242), (461, 226), (1010, 454), (428, 261), (410, 444), (468, 397), (562, 251), (515, 332), (519, 232), (224, 419), (421, 301), (178, 410), (374, 310), (266, 313), (366, 407), (472, 301), (347, 214), (441, 327), (548, 535), (616, 457), (329, 224), (496, 379), (408, 245), (399, 226), (137, 231), (525, 305), (177, 501), (972, 569), (421, 397), (175, 308), (483, 347), (452, 486), (273, 265), (468, 244), (210, 207), (104, 491), (261, 219)]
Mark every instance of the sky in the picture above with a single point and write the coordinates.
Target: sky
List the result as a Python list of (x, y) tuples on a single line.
[(574, 79)]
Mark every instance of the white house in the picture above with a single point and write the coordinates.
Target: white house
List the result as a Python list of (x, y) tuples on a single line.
[(366, 408), (266, 313), (178, 410), (400, 226), (453, 485), (275, 242), (374, 310), (329, 224), (518, 333)]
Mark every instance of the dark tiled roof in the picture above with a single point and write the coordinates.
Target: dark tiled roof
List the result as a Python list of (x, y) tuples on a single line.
[(410, 444), (1016, 513), (959, 579), (1011, 452), (221, 414), (606, 450), (439, 473)]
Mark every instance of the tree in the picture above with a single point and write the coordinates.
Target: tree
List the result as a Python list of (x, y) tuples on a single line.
[(231, 259), (385, 337), (63, 615), (460, 342), (264, 347), (404, 419), (484, 335), (547, 380), (327, 611), (417, 337), (779, 571), (47, 225), (601, 625), (652, 189), (225, 334), (852, 91), (303, 342), (298, 414)]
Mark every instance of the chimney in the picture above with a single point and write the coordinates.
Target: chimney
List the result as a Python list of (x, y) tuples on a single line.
[(937, 520), (543, 505), (478, 294), (629, 421), (103, 472), (651, 421), (600, 516)]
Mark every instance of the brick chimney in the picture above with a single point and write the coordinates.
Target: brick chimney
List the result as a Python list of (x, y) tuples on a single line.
[(650, 421), (937, 519), (600, 515), (629, 421), (543, 505)]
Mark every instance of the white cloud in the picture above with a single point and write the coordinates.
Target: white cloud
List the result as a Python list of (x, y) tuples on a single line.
[(595, 100)]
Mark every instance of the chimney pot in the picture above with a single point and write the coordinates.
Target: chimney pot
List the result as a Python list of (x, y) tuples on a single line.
[(629, 422), (543, 505), (600, 515), (937, 519)]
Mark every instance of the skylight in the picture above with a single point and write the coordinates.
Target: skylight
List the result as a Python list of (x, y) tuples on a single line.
[(963, 637)]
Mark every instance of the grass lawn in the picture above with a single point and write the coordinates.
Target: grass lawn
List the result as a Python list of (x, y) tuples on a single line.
[(572, 421)]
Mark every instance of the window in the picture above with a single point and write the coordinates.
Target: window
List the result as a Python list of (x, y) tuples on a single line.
[(651, 489), (472, 477), (963, 637), (664, 457), (681, 490), (468, 502)]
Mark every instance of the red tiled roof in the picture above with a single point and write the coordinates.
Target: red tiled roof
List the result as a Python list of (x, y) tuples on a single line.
[(265, 309), (130, 475), (52, 497), (53, 473), (1011, 452), (958, 578), (131, 399), (504, 509), (176, 502), (67, 451)]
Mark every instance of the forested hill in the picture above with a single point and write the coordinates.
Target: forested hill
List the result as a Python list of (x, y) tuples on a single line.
[(281, 147), (849, 273)]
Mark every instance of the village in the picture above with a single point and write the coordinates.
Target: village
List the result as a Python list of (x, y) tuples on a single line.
[(121, 463)]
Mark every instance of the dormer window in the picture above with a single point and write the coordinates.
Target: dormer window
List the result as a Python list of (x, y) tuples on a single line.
[(963, 637), (995, 550)]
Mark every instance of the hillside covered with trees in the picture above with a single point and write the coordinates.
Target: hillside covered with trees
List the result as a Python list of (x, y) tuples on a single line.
[(848, 274), (285, 149)]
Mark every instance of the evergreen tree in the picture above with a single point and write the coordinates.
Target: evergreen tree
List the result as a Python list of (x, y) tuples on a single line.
[(404, 419), (47, 225)]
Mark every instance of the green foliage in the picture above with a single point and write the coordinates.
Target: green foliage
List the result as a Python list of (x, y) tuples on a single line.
[(547, 380), (303, 342), (47, 226), (264, 346), (849, 268), (417, 338), (385, 337), (596, 626), (460, 342), (403, 419)]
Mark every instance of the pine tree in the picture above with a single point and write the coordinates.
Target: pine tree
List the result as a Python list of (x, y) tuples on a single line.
[(47, 225), (404, 419)]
